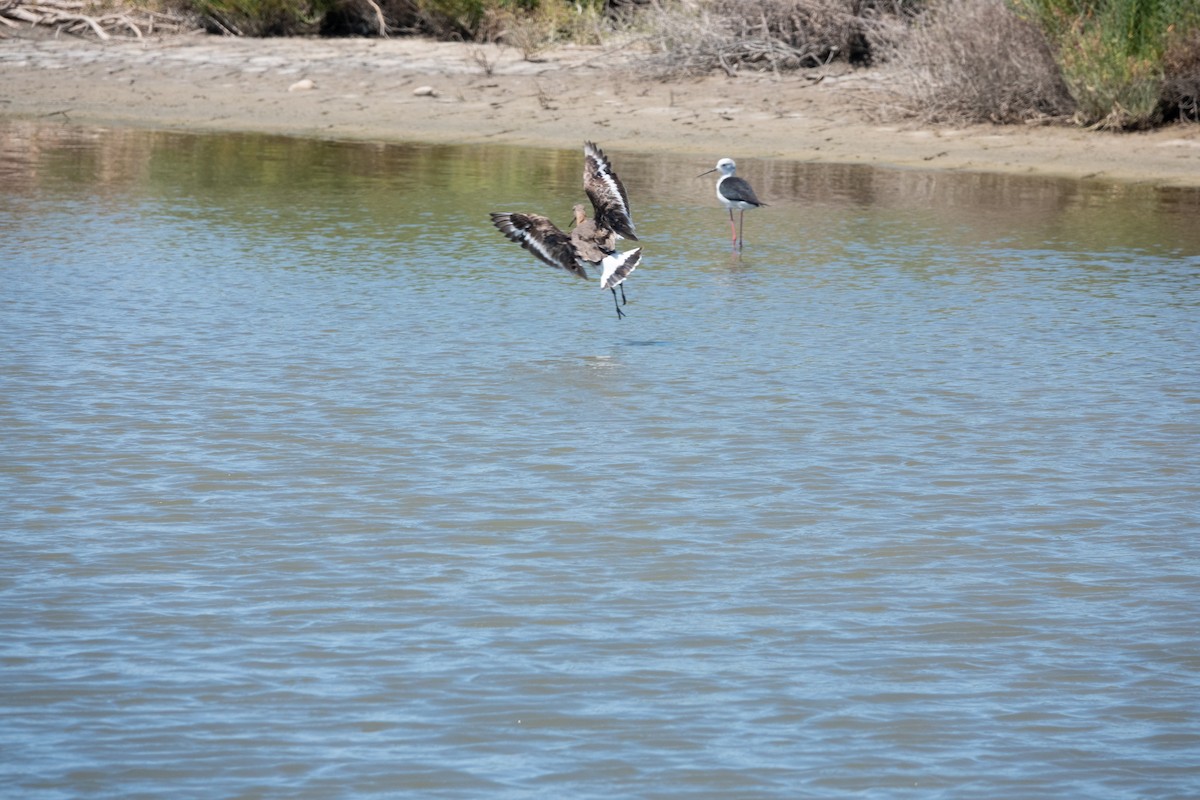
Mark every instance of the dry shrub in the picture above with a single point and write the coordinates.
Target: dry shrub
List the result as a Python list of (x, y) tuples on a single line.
[(368, 18), (263, 17), (550, 23), (1181, 70), (977, 61), (446, 20), (695, 37)]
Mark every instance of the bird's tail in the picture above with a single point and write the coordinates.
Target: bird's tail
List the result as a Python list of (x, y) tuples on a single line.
[(616, 268)]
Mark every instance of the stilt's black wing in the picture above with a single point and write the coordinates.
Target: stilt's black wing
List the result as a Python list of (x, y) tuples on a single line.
[(734, 188), (541, 237), (606, 192)]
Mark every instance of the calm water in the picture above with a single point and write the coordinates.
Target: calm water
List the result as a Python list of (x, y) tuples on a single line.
[(314, 486)]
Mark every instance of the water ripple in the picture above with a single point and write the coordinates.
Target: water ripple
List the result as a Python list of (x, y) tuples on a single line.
[(302, 499)]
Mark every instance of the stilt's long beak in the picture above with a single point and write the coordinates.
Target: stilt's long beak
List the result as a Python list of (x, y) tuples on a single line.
[(702, 174)]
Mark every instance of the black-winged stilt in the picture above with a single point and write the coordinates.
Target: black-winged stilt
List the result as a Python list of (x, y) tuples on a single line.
[(592, 242), (733, 192)]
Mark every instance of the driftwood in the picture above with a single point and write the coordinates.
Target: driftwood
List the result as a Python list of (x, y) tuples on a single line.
[(67, 16)]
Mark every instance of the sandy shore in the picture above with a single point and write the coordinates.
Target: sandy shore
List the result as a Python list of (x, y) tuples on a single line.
[(367, 89)]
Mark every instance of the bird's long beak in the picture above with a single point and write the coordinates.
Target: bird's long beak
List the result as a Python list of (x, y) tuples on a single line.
[(702, 174)]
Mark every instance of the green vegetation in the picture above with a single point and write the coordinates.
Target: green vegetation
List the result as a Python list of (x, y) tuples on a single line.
[(264, 17), (1126, 62)]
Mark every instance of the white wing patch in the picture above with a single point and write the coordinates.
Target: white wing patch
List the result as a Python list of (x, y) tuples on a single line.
[(604, 189), (617, 267), (535, 244), (539, 236), (615, 191)]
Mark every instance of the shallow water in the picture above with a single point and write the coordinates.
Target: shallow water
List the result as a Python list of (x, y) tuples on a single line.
[(315, 486)]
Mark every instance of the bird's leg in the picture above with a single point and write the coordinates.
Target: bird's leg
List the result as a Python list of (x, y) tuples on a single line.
[(616, 305), (623, 300), (732, 229), (741, 228)]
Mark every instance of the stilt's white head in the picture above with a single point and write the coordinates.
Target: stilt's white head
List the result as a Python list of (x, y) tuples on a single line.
[(725, 166)]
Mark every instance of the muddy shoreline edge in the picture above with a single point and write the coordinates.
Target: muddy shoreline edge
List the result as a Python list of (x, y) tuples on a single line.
[(417, 90)]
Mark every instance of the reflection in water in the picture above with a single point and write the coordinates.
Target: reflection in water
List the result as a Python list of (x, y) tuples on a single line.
[(314, 486), (1049, 211)]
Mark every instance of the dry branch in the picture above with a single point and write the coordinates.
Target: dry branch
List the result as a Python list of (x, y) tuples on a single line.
[(66, 16), (695, 37)]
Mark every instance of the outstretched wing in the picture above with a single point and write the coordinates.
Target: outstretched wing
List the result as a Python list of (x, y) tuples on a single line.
[(604, 189), (616, 268), (541, 237)]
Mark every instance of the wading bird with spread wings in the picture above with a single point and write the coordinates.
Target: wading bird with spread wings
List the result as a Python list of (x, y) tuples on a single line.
[(591, 242)]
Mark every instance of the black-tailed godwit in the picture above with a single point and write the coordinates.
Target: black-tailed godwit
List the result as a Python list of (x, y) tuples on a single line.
[(592, 242)]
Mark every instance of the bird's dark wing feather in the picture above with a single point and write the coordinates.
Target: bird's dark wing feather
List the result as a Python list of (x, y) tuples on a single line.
[(735, 188), (606, 192), (540, 236)]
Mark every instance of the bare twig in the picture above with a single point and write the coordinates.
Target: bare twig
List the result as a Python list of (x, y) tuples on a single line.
[(66, 16), (488, 65)]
